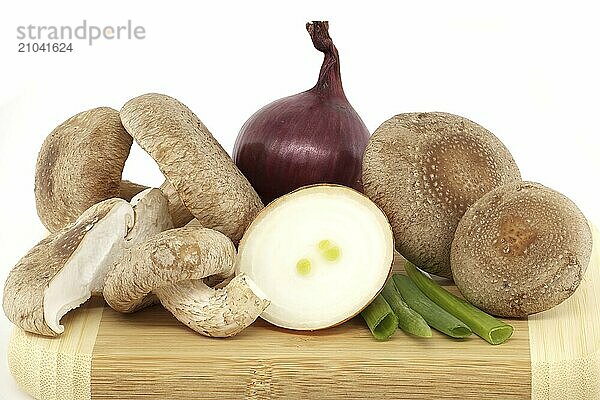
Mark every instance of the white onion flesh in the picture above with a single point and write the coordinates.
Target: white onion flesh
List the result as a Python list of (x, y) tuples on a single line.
[(290, 228)]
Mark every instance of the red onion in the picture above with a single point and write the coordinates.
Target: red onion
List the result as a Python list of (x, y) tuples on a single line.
[(311, 137)]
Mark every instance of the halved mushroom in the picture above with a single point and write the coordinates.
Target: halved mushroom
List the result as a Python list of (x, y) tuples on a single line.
[(424, 170), (65, 269), (321, 254), (520, 249), (209, 184), (171, 266)]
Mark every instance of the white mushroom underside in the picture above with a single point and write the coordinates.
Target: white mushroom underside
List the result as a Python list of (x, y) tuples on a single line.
[(85, 271), (332, 291), (103, 244)]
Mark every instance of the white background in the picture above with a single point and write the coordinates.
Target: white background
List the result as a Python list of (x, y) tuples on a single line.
[(527, 71)]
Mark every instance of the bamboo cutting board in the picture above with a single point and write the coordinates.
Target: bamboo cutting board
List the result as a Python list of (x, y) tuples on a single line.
[(106, 355)]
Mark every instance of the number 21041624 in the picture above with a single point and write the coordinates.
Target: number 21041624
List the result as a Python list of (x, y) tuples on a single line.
[(45, 47)]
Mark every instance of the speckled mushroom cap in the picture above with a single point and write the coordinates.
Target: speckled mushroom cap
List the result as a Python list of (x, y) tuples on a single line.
[(209, 184), (424, 170), (80, 164), (25, 286), (179, 213), (167, 258), (520, 249)]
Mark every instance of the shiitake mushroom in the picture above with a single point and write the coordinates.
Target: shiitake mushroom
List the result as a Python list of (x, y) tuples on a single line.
[(520, 249), (424, 170)]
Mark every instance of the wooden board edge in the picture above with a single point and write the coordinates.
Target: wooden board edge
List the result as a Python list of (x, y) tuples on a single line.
[(57, 368), (564, 342)]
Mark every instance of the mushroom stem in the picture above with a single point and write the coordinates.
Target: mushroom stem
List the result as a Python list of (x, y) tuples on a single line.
[(174, 266), (224, 312)]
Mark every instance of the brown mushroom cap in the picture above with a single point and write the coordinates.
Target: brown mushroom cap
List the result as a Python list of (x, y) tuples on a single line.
[(424, 170), (172, 265), (520, 249), (80, 164), (209, 184), (170, 257), (179, 213)]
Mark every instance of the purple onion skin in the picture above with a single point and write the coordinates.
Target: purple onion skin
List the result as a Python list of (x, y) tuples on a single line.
[(311, 137)]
